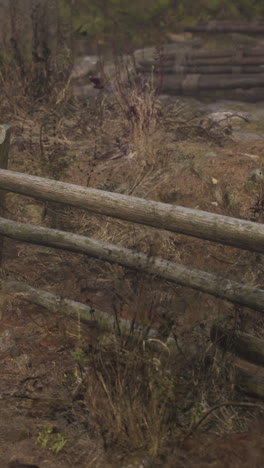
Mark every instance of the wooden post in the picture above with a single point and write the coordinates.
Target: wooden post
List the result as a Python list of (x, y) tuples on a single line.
[(5, 131)]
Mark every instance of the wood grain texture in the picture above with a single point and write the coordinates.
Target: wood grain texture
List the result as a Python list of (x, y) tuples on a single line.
[(217, 228), (218, 286)]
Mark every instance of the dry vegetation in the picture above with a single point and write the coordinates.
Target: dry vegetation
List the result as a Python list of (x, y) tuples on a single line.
[(123, 404)]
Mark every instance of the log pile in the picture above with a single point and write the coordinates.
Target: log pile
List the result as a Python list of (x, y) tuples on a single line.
[(254, 27), (191, 71)]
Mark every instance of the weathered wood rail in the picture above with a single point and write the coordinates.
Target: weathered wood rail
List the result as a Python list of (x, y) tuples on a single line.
[(215, 285), (196, 223), (86, 314)]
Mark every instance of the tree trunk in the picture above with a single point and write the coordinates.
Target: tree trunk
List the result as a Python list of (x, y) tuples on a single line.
[(217, 228), (246, 295)]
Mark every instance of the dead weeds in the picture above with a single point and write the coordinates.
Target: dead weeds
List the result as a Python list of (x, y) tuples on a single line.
[(131, 399)]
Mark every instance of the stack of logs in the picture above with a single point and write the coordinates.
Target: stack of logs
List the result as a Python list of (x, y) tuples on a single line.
[(255, 27), (188, 72)]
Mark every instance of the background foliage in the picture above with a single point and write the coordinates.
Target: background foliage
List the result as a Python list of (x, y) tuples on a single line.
[(38, 37), (147, 21)]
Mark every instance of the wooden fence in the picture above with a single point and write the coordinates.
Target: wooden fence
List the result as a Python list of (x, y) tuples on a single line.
[(217, 228)]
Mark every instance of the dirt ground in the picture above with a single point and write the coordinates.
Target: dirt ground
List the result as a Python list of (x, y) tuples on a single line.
[(44, 419)]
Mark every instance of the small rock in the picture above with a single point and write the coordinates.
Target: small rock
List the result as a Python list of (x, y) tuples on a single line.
[(8, 339), (229, 117), (84, 65), (256, 175), (211, 154)]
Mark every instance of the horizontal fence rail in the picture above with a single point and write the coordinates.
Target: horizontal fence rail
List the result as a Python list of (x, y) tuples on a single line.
[(86, 314), (215, 285), (196, 223)]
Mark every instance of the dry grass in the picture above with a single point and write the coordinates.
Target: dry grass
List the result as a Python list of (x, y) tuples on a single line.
[(143, 402), (138, 400), (133, 397)]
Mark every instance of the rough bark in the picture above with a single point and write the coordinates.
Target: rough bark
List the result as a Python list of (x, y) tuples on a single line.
[(232, 291), (242, 344), (217, 228)]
